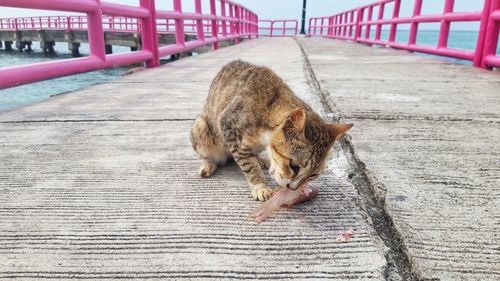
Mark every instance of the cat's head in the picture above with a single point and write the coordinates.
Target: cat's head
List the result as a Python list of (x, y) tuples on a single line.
[(299, 147)]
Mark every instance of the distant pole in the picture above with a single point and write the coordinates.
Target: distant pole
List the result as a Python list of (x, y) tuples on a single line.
[(303, 25)]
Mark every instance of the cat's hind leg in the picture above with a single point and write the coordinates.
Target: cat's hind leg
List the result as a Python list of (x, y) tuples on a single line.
[(212, 152)]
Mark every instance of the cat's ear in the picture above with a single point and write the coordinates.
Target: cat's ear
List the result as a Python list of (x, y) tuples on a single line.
[(337, 130), (295, 124), (298, 118)]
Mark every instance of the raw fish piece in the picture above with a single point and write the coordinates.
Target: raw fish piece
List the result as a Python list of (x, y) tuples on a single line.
[(283, 198), (344, 237)]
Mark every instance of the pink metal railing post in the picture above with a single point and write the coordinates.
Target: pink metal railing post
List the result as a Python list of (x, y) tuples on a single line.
[(149, 34), (368, 26), (339, 22), (341, 27), (351, 24), (246, 19), (223, 14), (254, 30), (330, 26), (213, 12), (480, 46), (444, 30), (333, 28), (68, 20), (315, 26), (237, 16), (417, 8), (492, 34), (231, 16), (359, 18), (345, 24), (378, 32), (346, 20), (199, 22), (244, 16), (354, 19), (96, 33), (395, 15), (179, 24)]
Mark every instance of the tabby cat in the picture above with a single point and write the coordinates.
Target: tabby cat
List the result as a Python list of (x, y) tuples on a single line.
[(250, 109)]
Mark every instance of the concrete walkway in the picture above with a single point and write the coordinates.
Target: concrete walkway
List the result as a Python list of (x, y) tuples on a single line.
[(428, 134), (101, 183)]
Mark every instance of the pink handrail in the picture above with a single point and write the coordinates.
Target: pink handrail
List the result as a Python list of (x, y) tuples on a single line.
[(281, 25), (355, 25), (145, 18)]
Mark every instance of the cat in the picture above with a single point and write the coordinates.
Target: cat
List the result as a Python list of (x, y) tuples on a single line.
[(250, 109)]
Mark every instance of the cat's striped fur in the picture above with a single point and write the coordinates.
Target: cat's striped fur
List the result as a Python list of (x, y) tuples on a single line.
[(250, 109)]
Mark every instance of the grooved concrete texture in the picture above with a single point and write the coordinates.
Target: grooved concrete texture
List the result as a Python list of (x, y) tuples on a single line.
[(428, 130), (101, 184)]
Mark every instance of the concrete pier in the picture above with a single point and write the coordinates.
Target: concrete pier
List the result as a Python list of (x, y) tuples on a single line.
[(74, 38), (101, 184), (8, 45)]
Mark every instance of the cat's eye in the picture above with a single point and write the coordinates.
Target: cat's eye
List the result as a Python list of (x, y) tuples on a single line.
[(295, 168)]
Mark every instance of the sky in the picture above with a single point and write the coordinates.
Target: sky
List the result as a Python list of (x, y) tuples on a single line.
[(291, 9)]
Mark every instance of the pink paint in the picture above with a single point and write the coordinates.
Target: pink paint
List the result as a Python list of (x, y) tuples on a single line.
[(489, 56), (103, 16), (281, 26), (483, 56)]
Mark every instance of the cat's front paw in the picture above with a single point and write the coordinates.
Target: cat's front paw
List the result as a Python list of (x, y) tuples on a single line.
[(207, 169), (261, 192)]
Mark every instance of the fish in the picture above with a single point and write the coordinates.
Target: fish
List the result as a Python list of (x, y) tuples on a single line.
[(283, 198), (345, 236)]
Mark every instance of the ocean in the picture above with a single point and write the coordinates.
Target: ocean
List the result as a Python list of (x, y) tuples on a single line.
[(21, 95), (17, 96)]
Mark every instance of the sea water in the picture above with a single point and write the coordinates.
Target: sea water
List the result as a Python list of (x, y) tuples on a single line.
[(30, 93), (16, 96)]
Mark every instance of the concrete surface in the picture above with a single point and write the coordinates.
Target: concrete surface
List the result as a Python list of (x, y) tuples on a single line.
[(427, 131), (101, 184)]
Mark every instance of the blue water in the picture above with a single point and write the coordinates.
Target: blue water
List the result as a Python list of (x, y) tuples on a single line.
[(466, 40), (13, 97), (30, 93)]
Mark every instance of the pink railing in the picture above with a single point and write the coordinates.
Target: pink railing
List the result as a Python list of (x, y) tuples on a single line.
[(278, 28), (356, 25), (110, 23), (210, 29)]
